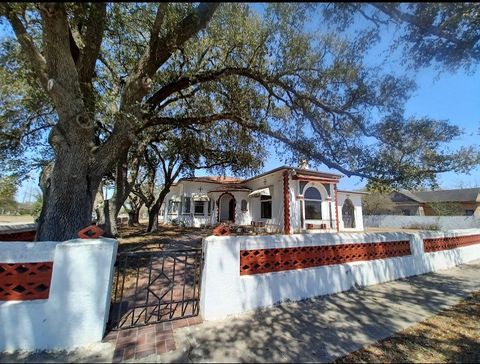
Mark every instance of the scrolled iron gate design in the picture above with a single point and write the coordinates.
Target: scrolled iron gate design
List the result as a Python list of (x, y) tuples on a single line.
[(155, 286)]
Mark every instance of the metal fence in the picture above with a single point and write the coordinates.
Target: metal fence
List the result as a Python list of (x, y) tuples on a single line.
[(155, 286)]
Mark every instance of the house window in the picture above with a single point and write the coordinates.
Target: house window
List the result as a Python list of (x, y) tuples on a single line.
[(172, 207), (186, 205), (469, 212), (266, 207), (313, 204), (243, 205), (209, 205), (199, 207)]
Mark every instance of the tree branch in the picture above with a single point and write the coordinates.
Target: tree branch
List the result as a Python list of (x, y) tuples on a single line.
[(36, 59), (400, 16), (161, 49), (188, 120), (93, 37)]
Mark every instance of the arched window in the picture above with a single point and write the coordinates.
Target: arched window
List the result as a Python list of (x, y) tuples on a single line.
[(348, 214), (313, 204), (244, 205)]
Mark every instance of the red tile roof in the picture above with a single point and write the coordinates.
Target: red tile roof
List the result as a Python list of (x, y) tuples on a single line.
[(213, 179), (227, 188)]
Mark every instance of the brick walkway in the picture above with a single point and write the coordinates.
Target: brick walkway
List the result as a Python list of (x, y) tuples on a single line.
[(138, 343)]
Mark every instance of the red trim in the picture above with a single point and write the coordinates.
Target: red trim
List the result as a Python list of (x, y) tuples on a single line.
[(336, 207), (446, 243), (90, 232), (25, 281), (302, 177), (18, 236), (221, 230), (286, 205), (281, 259)]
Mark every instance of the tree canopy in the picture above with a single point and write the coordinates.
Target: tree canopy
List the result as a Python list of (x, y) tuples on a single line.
[(112, 72), (443, 35)]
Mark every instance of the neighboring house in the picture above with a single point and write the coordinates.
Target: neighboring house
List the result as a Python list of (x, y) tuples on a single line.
[(420, 203), (284, 199)]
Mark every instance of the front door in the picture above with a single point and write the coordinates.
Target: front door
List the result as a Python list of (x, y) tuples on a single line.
[(231, 210)]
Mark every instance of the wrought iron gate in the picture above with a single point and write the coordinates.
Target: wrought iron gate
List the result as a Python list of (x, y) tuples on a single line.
[(155, 286)]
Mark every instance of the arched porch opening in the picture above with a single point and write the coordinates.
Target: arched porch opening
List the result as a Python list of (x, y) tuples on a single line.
[(348, 214), (226, 207)]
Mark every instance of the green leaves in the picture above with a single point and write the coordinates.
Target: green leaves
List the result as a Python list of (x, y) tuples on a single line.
[(443, 35), (26, 113), (8, 189), (285, 76)]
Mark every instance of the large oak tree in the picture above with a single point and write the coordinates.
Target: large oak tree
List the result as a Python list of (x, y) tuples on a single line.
[(111, 72)]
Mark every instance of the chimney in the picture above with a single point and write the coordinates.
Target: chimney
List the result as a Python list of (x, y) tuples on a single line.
[(303, 164)]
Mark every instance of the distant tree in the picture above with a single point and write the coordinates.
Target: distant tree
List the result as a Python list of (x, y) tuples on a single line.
[(377, 203), (446, 208), (37, 207), (8, 189), (216, 148), (133, 206)]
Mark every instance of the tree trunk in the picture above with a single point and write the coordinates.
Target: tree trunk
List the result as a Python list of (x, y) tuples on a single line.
[(155, 209), (98, 206), (153, 218), (113, 205), (68, 197), (110, 215), (133, 217)]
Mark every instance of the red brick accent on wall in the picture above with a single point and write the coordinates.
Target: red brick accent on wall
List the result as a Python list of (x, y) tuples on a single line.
[(336, 208), (286, 204), (25, 281), (280, 259), (19, 236), (437, 244)]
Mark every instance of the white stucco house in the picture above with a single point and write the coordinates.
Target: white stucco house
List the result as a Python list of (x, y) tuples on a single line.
[(284, 200)]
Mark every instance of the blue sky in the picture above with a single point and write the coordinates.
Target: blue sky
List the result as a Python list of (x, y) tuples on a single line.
[(444, 96), (454, 97)]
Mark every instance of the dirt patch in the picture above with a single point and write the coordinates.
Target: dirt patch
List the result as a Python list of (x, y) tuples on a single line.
[(133, 238), (451, 336), (8, 219)]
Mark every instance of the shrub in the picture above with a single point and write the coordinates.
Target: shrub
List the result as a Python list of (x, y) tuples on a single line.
[(419, 226)]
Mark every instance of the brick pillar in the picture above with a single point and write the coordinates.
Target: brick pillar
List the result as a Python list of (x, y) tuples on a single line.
[(286, 204), (336, 207)]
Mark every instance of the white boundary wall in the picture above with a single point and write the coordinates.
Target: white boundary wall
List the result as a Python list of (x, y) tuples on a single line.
[(401, 221), (225, 292), (76, 310)]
